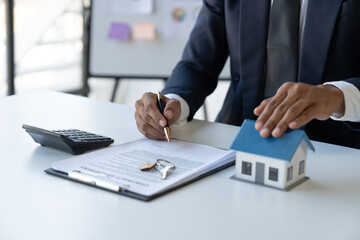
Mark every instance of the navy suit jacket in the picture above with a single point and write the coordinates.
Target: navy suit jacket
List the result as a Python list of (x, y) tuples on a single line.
[(238, 29)]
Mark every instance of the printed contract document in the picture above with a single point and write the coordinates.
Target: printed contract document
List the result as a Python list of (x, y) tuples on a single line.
[(119, 165)]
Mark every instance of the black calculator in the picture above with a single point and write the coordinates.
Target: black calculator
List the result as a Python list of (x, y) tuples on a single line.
[(70, 140)]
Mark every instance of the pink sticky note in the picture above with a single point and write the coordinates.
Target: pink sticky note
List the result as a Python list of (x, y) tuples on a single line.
[(119, 31), (144, 31)]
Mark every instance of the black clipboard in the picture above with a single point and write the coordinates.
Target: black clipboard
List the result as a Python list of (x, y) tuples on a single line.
[(127, 193)]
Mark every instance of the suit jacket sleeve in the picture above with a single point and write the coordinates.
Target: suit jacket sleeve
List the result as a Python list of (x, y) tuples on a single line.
[(204, 56), (355, 82)]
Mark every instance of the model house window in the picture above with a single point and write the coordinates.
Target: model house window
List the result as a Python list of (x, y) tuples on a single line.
[(246, 168), (301, 167), (273, 174), (290, 173)]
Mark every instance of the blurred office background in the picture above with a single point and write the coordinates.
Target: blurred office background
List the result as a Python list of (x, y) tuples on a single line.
[(48, 50)]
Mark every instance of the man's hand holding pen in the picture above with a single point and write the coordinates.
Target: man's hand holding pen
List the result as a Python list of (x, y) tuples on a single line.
[(149, 119), (161, 105)]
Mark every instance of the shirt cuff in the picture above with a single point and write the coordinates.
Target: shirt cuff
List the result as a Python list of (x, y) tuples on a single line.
[(352, 101), (185, 111)]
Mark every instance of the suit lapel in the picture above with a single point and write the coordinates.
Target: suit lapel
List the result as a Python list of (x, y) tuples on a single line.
[(254, 16), (319, 26)]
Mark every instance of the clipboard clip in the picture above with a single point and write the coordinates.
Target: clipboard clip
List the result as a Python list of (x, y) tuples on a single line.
[(95, 179)]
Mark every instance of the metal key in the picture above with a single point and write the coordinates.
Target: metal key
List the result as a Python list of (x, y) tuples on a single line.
[(162, 168), (164, 171)]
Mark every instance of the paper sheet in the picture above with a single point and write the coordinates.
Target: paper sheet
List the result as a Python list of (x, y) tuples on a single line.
[(121, 163), (144, 31), (115, 7), (119, 31), (180, 17)]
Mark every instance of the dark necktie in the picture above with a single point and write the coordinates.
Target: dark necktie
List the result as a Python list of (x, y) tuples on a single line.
[(282, 46)]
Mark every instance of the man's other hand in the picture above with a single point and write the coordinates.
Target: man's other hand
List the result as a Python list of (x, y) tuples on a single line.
[(150, 121), (296, 104)]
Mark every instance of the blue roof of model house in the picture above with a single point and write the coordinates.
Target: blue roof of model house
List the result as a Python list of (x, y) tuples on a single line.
[(249, 140)]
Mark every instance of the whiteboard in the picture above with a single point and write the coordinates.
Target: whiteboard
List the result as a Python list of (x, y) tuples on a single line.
[(134, 58)]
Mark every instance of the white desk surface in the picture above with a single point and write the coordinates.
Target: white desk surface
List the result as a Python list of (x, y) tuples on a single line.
[(34, 205)]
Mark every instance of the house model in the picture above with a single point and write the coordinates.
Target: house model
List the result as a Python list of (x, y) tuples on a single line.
[(273, 162)]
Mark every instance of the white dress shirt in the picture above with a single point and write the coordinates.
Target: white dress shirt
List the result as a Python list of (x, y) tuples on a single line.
[(351, 93)]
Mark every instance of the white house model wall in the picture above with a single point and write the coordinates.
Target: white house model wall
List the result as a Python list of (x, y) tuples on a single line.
[(281, 165)]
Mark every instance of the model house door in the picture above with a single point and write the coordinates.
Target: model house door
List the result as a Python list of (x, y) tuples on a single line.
[(260, 171)]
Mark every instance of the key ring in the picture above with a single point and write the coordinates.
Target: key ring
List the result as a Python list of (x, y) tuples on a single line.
[(168, 163), (164, 167)]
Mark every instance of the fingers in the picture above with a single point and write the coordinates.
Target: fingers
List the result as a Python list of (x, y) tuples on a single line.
[(272, 110), (301, 109), (150, 111), (296, 104), (150, 121), (277, 113), (305, 117), (172, 110), (258, 110), (147, 117), (148, 130)]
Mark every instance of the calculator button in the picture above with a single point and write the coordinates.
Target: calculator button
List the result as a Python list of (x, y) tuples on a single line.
[(79, 136)]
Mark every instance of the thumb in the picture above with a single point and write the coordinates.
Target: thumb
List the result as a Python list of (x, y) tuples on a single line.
[(172, 110)]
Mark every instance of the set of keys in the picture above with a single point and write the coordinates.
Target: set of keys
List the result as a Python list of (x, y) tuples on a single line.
[(161, 165)]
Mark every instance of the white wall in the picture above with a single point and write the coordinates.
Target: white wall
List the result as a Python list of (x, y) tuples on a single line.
[(299, 155), (242, 156), (269, 162), (281, 165)]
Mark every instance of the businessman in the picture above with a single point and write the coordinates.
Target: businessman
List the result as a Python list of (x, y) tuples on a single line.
[(294, 63)]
